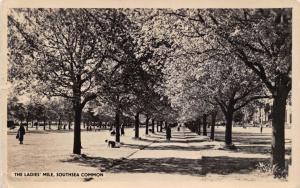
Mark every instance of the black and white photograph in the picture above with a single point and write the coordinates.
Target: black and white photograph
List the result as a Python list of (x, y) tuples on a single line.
[(149, 94)]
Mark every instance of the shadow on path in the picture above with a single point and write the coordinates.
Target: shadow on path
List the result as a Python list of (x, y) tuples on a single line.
[(196, 167), (170, 147), (254, 149)]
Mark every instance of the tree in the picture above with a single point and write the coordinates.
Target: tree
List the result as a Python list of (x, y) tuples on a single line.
[(13, 110), (64, 50), (239, 116), (213, 123), (20, 113), (261, 40), (115, 85), (210, 72)]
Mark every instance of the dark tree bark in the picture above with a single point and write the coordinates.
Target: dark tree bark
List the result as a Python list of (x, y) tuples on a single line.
[(137, 125), (59, 123), (147, 125), (278, 128), (168, 131), (27, 124), (228, 128), (87, 126), (213, 123), (204, 124), (199, 126), (194, 126), (161, 126), (166, 125), (153, 125), (117, 124), (77, 131), (44, 124)]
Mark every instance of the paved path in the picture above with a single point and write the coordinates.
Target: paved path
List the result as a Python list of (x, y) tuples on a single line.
[(176, 156), (187, 156), (177, 147)]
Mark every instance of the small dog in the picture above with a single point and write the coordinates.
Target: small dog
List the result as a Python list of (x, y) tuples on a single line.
[(110, 143), (113, 133)]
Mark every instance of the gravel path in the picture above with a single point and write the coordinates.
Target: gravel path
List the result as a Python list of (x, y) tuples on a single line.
[(187, 157)]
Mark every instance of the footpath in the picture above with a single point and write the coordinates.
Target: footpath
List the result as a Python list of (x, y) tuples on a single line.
[(186, 157)]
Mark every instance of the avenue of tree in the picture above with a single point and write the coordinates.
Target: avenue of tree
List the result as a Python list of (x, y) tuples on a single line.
[(188, 66)]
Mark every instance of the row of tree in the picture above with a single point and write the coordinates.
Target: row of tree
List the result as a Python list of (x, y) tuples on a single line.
[(85, 55), (240, 55), (166, 64)]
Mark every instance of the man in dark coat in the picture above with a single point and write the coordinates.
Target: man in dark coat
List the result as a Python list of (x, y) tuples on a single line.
[(168, 133), (122, 130), (21, 133)]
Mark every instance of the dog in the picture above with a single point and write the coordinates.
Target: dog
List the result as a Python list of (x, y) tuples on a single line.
[(110, 143), (113, 133)]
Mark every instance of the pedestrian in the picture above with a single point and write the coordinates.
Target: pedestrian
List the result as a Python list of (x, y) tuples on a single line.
[(261, 128), (168, 133), (21, 133), (122, 130)]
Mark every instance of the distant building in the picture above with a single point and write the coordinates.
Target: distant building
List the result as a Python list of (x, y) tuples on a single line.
[(262, 115)]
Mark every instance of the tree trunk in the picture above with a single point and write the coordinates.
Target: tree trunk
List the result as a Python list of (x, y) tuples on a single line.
[(147, 125), (192, 126), (278, 121), (136, 125), (204, 125), (228, 129), (44, 124), (160, 126), (213, 123), (117, 125), (153, 125), (198, 124), (27, 125), (87, 126), (58, 126), (168, 131), (77, 131)]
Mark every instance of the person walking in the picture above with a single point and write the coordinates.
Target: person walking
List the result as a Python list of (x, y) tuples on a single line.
[(168, 133), (122, 130), (21, 133)]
